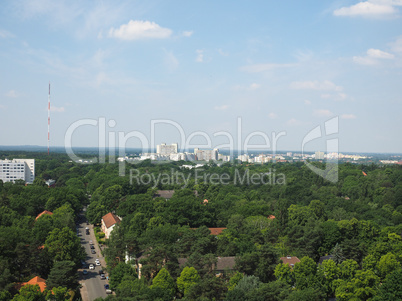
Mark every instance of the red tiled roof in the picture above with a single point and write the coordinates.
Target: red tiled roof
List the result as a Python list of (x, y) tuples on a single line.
[(216, 231), (110, 219), (271, 216), (42, 213), (166, 194), (36, 281), (290, 260)]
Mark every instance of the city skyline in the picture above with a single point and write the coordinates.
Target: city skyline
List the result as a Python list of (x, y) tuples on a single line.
[(280, 67)]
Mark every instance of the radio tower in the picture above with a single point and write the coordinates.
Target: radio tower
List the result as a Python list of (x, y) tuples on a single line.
[(48, 121)]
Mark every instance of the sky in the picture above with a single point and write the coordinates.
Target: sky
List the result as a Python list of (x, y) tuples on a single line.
[(203, 74)]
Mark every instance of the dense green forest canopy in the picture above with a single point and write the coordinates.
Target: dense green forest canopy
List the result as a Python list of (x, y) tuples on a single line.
[(357, 220)]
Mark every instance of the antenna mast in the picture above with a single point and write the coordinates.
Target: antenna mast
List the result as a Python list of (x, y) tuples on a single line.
[(48, 121)]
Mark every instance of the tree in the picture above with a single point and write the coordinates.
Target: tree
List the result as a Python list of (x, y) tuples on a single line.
[(63, 274), (58, 294), (391, 288), (120, 271), (328, 272), (246, 285), (284, 272), (234, 280), (347, 269), (308, 294), (29, 293), (188, 277), (337, 254), (63, 244), (271, 291), (362, 287), (387, 264), (164, 282), (305, 273)]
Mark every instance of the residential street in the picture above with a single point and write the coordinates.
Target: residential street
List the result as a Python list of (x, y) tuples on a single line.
[(92, 285)]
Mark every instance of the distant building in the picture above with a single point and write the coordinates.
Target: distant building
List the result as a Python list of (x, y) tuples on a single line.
[(35, 281), (46, 212), (50, 183), (327, 257), (108, 222), (164, 149), (206, 155), (290, 260), (223, 264), (319, 155), (17, 169), (166, 194)]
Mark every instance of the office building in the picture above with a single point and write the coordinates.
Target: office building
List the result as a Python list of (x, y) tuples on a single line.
[(164, 149), (206, 155), (17, 169)]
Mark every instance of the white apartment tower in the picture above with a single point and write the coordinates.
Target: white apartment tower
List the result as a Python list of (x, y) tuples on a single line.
[(206, 155), (17, 169), (164, 149)]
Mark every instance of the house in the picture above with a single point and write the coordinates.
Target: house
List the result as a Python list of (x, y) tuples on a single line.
[(44, 213), (223, 264), (108, 222), (216, 231), (290, 260), (327, 257), (271, 217), (166, 194), (35, 281)]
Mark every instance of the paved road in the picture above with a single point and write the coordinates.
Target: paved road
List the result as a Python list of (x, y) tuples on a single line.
[(92, 285)]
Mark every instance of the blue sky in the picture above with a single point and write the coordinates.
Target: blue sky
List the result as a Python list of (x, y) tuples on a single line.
[(279, 66)]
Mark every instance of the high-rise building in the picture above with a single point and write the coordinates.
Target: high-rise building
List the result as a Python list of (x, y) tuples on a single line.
[(206, 155), (17, 169), (164, 149), (319, 155)]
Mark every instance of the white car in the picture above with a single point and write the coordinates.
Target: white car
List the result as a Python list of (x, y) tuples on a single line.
[(91, 267), (97, 262), (90, 242)]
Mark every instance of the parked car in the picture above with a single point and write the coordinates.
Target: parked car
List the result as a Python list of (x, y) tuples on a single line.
[(92, 247), (93, 252), (90, 242), (101, 272), (85, 272), (107, 288), (97, 262), (102, 276), (91, 267)]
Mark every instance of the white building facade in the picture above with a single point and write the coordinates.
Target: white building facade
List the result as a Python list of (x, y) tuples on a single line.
[(163, 149), (17, 169)]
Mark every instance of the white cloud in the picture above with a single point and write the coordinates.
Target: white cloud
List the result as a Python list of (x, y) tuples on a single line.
[(272, 115), (251, 87), (322, 113), (57, 109), (254, 86), (12, 94), (5, 34), (325, 85), (397, 45), (293, 122), (188, 33), (373, 56), (369, 9), (200, 56), (222, 107), (307, 102), (2, 107), (348, 116), (264, 67), (223, 53), (171, 61), (135, 30)]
